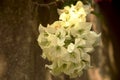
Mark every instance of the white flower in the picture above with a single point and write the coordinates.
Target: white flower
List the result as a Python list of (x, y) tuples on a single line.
[(80, 29), (67, 42), (64, 17), (54, 52), (74, 12), (65, 10), (42, 38), (93, 38), (71, 47)]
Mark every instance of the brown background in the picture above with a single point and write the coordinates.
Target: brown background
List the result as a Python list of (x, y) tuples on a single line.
[(19, 51)]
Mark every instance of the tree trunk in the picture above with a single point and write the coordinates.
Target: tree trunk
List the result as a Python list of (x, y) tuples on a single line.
[(16, 40)]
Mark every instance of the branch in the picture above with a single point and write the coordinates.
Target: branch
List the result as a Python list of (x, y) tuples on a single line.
[(55, 3)]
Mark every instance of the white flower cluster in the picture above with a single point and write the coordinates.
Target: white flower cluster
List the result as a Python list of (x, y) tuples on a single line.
[(67, 42)]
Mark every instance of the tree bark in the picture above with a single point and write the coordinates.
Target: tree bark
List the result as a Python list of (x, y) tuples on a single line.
[(16, 40)]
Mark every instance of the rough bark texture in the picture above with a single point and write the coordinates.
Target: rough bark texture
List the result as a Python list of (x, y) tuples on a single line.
[(16, 39)]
